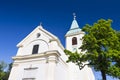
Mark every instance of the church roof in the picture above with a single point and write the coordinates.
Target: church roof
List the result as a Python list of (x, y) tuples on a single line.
[(40, 28), (74, 29), (74, 25)]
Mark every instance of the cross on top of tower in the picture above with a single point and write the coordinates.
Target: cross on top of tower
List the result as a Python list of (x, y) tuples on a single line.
[(74, 16), (40, 23)]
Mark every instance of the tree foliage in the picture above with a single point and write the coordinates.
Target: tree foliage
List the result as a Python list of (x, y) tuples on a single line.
[(114, 70), (4, 74), (101, 47), (2, 67)]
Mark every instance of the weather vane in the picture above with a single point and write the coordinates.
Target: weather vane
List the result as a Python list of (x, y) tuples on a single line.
[(74, 15)]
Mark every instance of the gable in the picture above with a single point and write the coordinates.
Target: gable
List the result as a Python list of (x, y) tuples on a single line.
[(41, 37)]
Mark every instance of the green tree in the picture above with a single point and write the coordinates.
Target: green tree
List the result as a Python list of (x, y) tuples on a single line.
[(2, 67), (114, 70), (101, 47), (4, 70)]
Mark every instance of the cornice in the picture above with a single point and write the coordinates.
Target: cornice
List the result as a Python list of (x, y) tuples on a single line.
[(39, 55), (73, 34)]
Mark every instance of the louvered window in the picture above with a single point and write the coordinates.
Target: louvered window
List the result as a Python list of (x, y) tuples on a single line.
[(74, 41)]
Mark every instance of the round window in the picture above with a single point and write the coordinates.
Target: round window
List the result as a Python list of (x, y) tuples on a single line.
[(38, 35)]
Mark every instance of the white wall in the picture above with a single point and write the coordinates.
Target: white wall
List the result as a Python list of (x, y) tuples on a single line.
[(69, 45), (61, 71), (18, 72)]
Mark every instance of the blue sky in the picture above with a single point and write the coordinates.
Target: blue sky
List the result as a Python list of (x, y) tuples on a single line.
[(19, 17)]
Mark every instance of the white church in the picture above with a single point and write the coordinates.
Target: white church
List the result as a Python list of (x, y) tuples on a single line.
[(41, 56)]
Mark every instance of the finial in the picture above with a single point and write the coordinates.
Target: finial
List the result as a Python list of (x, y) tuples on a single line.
[(40, 23), (74, 16)]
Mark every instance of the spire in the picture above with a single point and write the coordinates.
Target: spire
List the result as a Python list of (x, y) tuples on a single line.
[(74, 29), (74, 24)]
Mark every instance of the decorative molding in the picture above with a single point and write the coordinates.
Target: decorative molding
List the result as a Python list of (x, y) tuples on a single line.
[(20, 46), (15, 65), (48, 56), (68, 35), (28, 79), (31, 68)]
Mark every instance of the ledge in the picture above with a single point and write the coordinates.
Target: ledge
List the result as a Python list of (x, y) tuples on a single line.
[(72, 34), (39, 55)]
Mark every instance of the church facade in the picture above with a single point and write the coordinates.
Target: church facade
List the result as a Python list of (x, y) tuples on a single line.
[(41, 56)]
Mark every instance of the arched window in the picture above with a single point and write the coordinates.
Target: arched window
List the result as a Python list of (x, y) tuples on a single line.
[(35, 49), (74, 41)]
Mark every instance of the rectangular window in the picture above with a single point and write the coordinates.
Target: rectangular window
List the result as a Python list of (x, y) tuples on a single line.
[(35, 49)]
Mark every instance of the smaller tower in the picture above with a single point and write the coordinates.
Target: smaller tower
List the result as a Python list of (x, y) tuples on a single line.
[(73, 43), (74, 36)]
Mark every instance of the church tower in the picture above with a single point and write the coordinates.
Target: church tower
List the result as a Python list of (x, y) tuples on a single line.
[(73, 43), (74, 37)]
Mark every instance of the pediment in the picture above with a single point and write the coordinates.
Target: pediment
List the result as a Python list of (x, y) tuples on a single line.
[(41, 37), (37, 35)]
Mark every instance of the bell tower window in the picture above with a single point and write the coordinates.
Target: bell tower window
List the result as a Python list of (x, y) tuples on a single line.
[(35, 49), (74, 41)]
